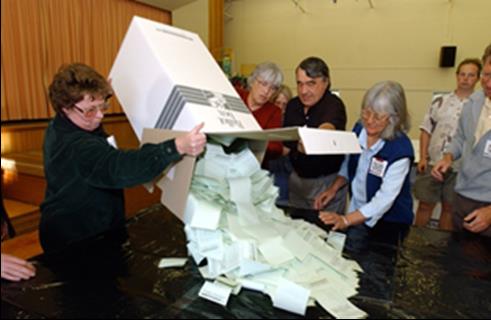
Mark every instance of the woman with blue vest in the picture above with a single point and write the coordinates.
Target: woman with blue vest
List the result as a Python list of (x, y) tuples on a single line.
[(379, 176)]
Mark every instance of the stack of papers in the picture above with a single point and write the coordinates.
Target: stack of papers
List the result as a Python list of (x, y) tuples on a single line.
[(234, 229)]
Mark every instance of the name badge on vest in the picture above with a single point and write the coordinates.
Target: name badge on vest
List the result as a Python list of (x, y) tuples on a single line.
[(377, 167), (487, 149)]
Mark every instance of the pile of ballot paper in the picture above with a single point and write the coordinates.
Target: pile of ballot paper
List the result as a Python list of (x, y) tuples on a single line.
[(241, 240)]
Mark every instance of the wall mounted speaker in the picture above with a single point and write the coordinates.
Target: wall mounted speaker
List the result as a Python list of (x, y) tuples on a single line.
[(447, 56)]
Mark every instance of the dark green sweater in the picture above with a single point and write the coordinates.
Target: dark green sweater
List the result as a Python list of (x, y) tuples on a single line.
[(85, 180)]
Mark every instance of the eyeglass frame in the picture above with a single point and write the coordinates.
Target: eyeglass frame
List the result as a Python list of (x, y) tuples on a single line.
[(103, 107), (373, 114), (265, 84), (485, 75)]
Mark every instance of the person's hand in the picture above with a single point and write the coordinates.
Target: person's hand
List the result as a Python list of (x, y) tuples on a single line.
[(192, 143), (300, 147), (337, 221), (324, 198), (422, 164), (478, 220), (15, 269), (440, 168), (285, 151), (327, 125)]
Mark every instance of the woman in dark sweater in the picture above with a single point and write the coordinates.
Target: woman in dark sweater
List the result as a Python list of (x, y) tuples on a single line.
[(85, 174)]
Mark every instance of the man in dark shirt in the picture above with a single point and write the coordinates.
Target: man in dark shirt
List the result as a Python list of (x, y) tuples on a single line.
[(314, 107)]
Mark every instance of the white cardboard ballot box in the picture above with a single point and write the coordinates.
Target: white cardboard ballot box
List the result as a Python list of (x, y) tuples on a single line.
[(167, 82), (166, 78), (175, 186)]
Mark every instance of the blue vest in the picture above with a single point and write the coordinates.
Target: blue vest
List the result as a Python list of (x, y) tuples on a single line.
[(393, 150)]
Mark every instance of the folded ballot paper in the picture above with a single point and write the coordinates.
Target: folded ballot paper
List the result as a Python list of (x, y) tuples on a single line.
[(234, 229), (167, 82)]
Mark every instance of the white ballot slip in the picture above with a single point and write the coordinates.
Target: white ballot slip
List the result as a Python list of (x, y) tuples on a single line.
[(336, 240), (291, 297), (172, 262), (215, 292)]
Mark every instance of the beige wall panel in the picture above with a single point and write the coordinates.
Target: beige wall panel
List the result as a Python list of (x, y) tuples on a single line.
[(193, 17), (397, 40)]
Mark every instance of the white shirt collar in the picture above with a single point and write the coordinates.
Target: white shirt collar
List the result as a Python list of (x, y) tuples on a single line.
[(362, 139)]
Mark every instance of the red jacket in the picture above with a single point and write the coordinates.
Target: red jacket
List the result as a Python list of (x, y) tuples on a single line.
[(269, 117)]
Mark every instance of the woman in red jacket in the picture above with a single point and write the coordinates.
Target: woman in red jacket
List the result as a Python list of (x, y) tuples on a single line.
[(262, 84)]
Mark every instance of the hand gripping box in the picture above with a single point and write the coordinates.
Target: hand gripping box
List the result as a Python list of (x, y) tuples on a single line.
[(167, 82)]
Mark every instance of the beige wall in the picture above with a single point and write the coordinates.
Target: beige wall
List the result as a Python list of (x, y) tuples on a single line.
[(193, 17), (397, 40)]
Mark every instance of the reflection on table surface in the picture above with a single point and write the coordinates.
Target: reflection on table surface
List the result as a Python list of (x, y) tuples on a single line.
[(408, 273)]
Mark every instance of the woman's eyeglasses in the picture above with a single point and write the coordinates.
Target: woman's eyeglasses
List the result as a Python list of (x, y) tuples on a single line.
[(366, 114), (92, 111)]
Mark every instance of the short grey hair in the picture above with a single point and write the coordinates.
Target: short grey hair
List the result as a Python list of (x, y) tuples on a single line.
[(389, 97), (268, 72)]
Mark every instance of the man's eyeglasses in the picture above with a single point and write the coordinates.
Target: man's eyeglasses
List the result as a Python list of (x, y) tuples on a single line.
[(378, 117), (92, 111)]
